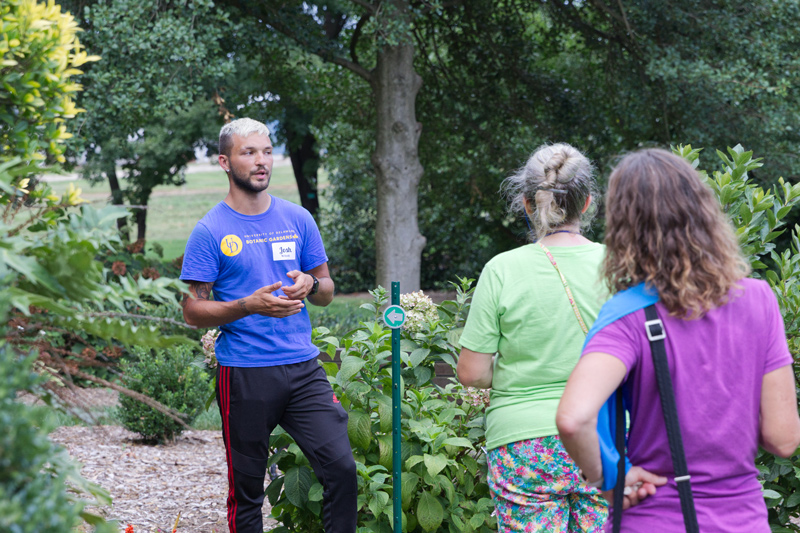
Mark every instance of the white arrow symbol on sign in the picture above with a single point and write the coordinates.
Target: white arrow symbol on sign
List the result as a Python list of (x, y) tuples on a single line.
[(394, 316)]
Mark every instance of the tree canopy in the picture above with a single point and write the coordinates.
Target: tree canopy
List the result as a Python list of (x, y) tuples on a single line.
[(159, 60)]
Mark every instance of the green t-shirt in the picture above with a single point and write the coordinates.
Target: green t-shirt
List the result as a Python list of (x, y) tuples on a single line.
[(520, 311)]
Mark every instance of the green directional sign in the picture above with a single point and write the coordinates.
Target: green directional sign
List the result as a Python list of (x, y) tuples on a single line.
[(394, 317)]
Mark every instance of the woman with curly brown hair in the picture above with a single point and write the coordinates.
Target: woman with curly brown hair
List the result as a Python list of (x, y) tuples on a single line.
[(726, 350)]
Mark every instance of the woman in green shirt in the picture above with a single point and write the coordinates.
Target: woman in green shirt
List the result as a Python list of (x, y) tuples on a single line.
[(523, 337)]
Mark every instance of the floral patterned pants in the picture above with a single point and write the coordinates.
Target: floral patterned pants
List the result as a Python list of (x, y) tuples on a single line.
[(536, 488)]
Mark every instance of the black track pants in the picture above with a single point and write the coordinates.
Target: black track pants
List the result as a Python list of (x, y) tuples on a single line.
[(252, 401)]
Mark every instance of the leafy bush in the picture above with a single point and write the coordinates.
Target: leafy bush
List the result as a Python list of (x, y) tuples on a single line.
[(169, 377), (758, 217), (35, 473), (39, 53), (444, 468)]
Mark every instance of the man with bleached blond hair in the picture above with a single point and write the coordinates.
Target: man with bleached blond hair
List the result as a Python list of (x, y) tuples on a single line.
[(263, 257)]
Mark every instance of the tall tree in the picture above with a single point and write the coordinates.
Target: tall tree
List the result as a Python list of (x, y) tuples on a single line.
[(159, 58), (709, 72), (382, 31), (500, 78)]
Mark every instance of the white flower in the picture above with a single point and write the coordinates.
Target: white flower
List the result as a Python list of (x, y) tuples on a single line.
[(477, 397), (419, 310), (209, 340)]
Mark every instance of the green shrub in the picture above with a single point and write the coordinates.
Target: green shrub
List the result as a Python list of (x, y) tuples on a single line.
[(167, 376), (759, 218), (40, 55), (444, 469), (34, 472)]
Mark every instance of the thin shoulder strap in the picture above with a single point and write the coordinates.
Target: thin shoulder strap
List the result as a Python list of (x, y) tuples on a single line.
[(656, 334), (566, 288), (619, 441), (619, 437)]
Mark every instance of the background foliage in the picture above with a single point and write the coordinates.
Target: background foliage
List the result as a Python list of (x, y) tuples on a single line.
[(39, 56), (759, 217), (51, 283), (443, 467), (169, 377)]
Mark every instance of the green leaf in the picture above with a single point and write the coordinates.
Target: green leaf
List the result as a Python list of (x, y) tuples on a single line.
[(378, 502), (22, 300), (315, 494), (408, 488), (384, 412), (454, 336), (331, 368), (435, 463), (429, 512), (359, 429), (385, 452), (297, 482), (273, 491), (793, 500), (413, 460), (458, 441), (31, 270), (418, 356), (349, 368), (770, 494), (477, 520)]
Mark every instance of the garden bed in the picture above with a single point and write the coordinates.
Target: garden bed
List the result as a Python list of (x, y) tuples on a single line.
[(151, 484)]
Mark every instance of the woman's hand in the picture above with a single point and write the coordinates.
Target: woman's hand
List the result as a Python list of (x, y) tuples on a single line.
[(639, 484)]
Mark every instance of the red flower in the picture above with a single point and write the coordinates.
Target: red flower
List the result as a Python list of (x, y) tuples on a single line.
[(119, 268), (150, 273), (129, 529)]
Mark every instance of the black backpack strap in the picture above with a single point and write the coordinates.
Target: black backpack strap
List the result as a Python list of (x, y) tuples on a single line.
[(619, 441), (656, 334)]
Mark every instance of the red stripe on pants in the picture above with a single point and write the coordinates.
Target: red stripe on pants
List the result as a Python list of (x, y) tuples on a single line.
[(225, 404)]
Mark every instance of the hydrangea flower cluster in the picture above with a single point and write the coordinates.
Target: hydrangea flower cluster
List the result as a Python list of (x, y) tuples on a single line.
[(209, 340), (477, 397), (419, 310)]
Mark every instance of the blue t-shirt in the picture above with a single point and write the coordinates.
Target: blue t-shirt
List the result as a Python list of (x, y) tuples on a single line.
[(242, 253)]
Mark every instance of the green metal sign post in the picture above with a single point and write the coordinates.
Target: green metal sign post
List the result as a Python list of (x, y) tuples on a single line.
[(395, 317)]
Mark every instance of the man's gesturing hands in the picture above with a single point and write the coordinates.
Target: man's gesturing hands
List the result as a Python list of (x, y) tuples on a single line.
[(264, 302), (303, 283)]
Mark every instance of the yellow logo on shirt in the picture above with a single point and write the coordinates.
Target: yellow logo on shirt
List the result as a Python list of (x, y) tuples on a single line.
[(231, 245)]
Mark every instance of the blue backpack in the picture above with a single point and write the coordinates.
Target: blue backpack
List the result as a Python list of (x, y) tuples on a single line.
[(621, 304), (611, 419)]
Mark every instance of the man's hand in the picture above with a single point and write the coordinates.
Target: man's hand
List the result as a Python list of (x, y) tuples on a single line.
[(263, 302), (639, 484), (303, 283)]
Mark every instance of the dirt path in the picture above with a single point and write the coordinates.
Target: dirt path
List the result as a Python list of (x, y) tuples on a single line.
[(149, 484)]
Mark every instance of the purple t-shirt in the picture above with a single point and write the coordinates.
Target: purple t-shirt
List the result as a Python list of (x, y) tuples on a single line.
[(717, 364)]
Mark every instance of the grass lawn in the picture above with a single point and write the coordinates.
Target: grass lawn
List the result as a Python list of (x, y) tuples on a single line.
[(174, 211), (341, 315)]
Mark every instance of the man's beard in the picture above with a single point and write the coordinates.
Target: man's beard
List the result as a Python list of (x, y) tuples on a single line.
[(246, 185)]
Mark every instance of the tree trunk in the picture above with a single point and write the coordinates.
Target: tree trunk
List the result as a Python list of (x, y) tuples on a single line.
[(117, 197), (302, 147), (398, 243), (141, 215)]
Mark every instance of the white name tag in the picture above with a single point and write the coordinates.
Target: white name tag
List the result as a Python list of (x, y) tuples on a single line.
[(283, 251)]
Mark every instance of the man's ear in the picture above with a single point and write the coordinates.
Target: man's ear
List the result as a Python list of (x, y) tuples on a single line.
[(224, 163)]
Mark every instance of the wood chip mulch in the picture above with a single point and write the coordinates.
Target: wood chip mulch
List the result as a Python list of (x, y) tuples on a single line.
[(151, 484)]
